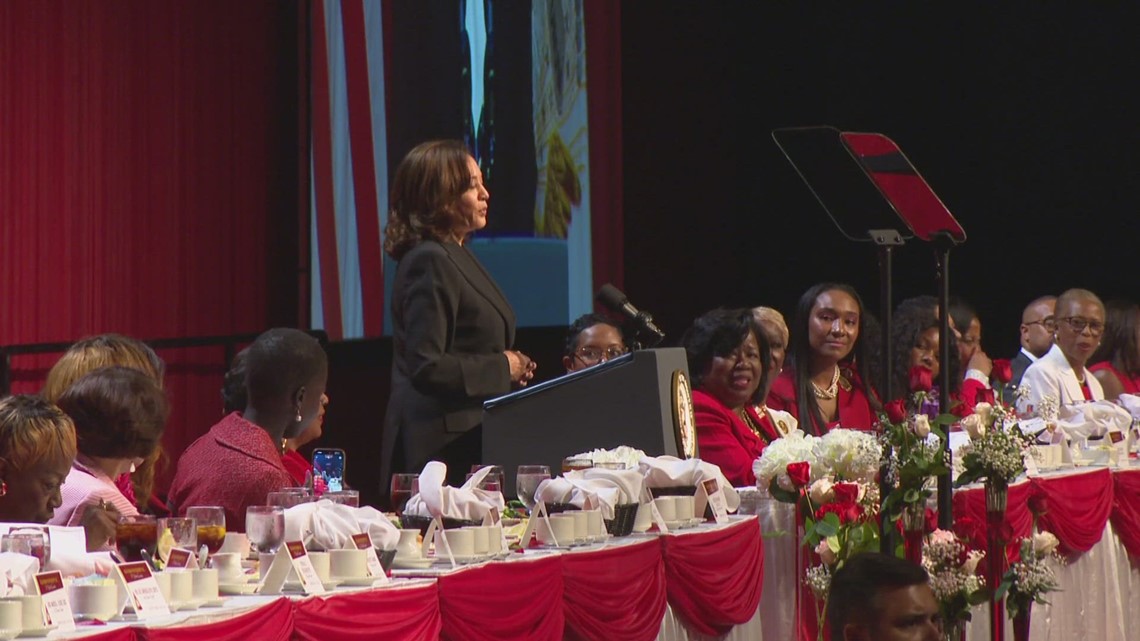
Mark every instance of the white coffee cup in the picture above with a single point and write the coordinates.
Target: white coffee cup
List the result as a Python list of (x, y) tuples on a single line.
[(33, 611), (181, 585), (11, 615), (494, 539), (235, 543), (205, 584), (409, 544), (686, 507), (348, 564), (322, 563), (667, 507), (462, 543), (164, 586), (581, 524), (595, 524), (644, 518), (97, 601), (228, 565), (481, 537), (560, 532)]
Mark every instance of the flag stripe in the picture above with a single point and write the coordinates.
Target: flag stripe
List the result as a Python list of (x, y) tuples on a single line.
[(323, 179)]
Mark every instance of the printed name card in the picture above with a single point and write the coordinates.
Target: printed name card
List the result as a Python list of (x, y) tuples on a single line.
[(538, 512), (142, 590), (303, 566), (57, 606), (715, 497), (363, 541), (181, 558)]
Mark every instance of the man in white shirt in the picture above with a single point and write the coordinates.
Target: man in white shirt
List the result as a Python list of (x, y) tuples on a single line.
[(1037, 328)]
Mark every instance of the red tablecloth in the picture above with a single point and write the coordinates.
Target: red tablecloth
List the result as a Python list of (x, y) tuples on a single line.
[(617, 593), (1126, 510), (520, 600), (272, 622), (404, 613)]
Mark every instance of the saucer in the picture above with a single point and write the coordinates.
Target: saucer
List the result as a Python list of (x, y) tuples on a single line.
[(213, 603), (37, 632), (192, 604), (356, 581), (237, 588), (296, 585), (411, 563)]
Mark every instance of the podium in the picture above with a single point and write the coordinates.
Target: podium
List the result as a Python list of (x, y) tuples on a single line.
[(641, 399)]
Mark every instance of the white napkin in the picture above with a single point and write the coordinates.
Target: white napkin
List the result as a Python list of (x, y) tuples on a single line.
[(18, 571), (466, 503), (1093, 419), (325, 525), (78, 565), (1131, 402), (592, 488), (670, 471)]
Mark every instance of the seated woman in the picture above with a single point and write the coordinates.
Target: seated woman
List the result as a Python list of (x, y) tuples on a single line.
[(1116, 363), (726, 362), (771, 323), (825, 385), (973, 362), (238, 462), (105, 350), (37, 447), (119, 415), (1061, 372)]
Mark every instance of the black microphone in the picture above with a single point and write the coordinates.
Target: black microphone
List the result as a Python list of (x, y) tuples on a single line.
[(615, 300)]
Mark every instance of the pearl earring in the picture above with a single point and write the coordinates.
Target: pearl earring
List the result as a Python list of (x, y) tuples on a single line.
[(298, 417)]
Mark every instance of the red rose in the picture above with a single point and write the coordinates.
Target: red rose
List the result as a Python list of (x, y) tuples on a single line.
[(1038, 504), (921, 379), (931, 520), (972, 531), (846, 513), (1002, 370), (799, 473), (896, 411), (846, 493)]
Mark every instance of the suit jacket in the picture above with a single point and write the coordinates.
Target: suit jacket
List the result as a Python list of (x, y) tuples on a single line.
[(724, 440), (855, 411), (1052, 375), (1017, 366), (450, 326)]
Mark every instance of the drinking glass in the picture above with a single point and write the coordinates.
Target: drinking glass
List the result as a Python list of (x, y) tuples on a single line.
[(404, 486), (610, 465), (31, 542), (344, 497), (134, 534), (494, 476), (570, 464), (287, 498), (527, 480), (183, 533), (265, 527), (211, 525)]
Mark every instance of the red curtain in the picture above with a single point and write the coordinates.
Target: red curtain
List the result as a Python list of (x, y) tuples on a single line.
[(714, 580), (484, 604), (603, 76), (149, 179), (616, 594), (403, 613)]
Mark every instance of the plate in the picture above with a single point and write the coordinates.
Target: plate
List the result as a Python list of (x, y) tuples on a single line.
[(237, 588), (192, 604), (356, 581), (461, 558), (214, 603), (296, 585), (411, 564), (37, 632)]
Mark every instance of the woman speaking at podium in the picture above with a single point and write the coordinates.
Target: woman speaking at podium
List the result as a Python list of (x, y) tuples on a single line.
[(452, 327)]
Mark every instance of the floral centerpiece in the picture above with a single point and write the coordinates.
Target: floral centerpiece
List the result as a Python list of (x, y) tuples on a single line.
[(831, 480), (954, 578), (1029, 579)]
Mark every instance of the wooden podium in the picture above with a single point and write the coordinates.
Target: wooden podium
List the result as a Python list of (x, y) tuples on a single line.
[(642, 399)]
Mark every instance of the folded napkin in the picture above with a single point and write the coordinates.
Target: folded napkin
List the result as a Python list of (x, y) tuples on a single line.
[(1093, 419), (670, 471), (465, 503), (325, 525), (592, 488)]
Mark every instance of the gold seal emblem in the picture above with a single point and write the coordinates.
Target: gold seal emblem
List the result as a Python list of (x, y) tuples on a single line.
[(684, 424)]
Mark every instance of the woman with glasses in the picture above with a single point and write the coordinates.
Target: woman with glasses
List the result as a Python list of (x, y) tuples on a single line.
[(592, 339), (1061, 372), (973, 361), (824, 384), (727, 357), (1116, 364)]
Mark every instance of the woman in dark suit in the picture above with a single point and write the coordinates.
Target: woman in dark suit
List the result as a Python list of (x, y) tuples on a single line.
[(452, 327)]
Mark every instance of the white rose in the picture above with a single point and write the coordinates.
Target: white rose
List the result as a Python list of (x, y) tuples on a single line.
[(1044, 543), (972, 559), (985, 411), (825, 553), (820, 492), (921, 425), (974, 426)]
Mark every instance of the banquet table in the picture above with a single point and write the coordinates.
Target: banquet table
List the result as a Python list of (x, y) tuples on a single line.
[(1093, 511), (692, 585)]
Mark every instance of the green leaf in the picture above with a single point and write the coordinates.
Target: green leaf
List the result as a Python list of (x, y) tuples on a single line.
[(780, 494), (826, 528), (911, 496)]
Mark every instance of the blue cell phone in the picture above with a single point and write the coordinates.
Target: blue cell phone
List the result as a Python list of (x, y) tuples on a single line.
[(328, 463)]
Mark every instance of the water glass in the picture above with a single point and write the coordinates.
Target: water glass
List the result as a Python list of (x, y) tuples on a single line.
[(287, 498), (183, 532), (211, 525), (493, 481), (31, 542), (404, 487), (344, 497), (265, 527), (527, 480)]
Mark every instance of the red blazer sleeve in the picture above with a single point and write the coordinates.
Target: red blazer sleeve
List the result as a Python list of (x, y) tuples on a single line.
[(725, 440)]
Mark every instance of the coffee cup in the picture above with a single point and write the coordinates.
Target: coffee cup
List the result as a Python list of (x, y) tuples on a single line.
[(409, 544), (322, 564), (205, 584), (348, 564), (11, 615), (581, 524), (667, 507), (644, 518), (181, 585), (164, 586), (228, 565), (460, 541), (686, 507), (95, 600), (235, 543), (560, 531), (595, 524), (494, 539), (480, 537)]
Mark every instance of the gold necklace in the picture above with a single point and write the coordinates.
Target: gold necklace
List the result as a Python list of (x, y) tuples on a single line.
[(831, 391)]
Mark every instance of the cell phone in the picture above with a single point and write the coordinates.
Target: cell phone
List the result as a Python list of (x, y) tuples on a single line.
[(328, 463)]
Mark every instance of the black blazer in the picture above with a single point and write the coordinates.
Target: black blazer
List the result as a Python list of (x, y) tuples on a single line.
[(1017, 366), (450, 326)]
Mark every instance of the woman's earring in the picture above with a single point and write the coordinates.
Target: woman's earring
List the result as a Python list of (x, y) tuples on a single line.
[(3, 488), (299, 416)]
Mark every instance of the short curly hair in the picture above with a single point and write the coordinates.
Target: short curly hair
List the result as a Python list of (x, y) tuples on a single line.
[(33, 430), (718, 333)]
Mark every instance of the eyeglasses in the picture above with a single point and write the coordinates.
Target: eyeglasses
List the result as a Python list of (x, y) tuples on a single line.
[(1049, 323), (593, 355), (1078, 324)]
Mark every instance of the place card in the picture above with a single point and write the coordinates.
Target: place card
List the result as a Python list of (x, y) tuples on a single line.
[(538, 512), (715, 497), (1119, 454), (291, 556), (142, 590), (57, 605), (435, 525), (363, 541), (181, 558)]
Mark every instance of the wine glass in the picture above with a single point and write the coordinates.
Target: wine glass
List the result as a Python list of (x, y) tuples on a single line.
[(211, 525), (492, 477), (265, 527), (527, 480), (404, 486)]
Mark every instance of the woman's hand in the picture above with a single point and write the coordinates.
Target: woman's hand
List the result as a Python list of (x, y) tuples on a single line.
[(99, 524), (981, 362), (522, 367)]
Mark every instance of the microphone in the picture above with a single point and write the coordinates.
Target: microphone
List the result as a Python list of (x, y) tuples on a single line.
[(615, 300)]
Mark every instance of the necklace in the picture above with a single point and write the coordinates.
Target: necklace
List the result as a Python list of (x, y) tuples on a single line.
[(752, 425), (831, 391)]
